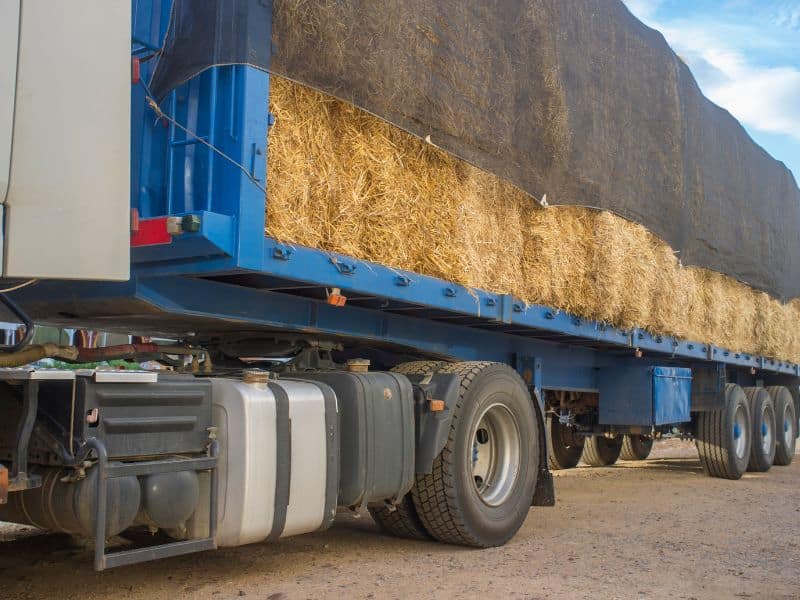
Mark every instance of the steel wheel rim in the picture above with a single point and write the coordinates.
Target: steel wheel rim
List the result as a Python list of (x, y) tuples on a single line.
[(495, 454), (740, 432), (767, 430), (788, 429)]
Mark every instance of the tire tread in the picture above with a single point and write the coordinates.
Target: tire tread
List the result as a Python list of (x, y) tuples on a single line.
[(630, 451), (595, 454), (403, 522)]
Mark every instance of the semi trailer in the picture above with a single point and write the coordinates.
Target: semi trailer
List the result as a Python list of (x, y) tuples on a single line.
[(297, 382)]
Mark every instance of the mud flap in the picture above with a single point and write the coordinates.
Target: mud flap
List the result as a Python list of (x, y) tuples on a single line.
[(545, 492)]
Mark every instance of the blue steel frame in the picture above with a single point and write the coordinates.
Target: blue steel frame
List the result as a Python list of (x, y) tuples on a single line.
[(231, 277)]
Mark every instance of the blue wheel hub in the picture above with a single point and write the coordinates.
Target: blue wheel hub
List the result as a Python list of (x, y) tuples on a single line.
[(764, 430), (737, 431), (786, 426)]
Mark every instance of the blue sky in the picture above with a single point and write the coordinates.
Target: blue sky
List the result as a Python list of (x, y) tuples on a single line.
[(745, 54)]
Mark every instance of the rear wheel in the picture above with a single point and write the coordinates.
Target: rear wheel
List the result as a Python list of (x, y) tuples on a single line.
[(564, 445), (600, 451), (785, 425), (636, 447), (723, 436), (762, 417), (481, 485), (402, 520)]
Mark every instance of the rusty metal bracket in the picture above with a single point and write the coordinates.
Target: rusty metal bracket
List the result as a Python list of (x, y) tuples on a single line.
[(20, 479)]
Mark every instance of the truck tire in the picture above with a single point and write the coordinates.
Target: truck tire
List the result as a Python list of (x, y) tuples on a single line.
[(723, 437), (785, 425), (762, 418), (563, 445), (419, 367), (481, 486), (636, 447), (600, 451), (403, 522)]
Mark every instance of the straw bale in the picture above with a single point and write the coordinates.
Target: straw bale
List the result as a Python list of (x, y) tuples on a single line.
[(345, 181)]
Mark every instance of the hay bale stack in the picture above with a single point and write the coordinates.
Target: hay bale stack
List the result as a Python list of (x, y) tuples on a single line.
[(345, 181)]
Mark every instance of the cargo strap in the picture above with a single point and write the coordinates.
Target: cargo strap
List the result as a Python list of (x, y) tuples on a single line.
[(283, 471)]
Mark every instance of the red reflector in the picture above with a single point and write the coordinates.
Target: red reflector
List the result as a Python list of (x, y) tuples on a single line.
[(151, 232), (136, 70), (134, 219)]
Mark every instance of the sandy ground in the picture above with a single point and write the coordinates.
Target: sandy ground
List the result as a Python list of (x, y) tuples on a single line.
[(637, 530)]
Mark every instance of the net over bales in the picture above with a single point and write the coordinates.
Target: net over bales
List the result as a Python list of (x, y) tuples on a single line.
[(345, 181), (573, 98)]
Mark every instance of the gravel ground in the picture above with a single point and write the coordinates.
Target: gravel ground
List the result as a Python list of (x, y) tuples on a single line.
[(659, 529)]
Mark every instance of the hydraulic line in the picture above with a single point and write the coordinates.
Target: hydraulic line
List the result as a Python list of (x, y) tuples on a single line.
[(30, 354), (23, 317), (131, 351)]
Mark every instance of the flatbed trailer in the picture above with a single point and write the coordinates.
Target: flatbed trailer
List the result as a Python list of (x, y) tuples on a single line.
[(204, 273)]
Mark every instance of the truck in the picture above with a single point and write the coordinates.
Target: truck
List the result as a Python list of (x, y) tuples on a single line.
[(295, 382)]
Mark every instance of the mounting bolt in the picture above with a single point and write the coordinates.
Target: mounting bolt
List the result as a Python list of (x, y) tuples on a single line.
[(191, 223), (174, 225), (282, 252)]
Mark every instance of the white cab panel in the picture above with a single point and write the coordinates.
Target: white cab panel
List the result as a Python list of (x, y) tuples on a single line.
[(9, 30), (68, 201)]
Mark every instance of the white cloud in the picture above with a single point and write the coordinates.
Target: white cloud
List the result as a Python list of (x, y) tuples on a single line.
[(644, 9), (766, 98), (788, 15)]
